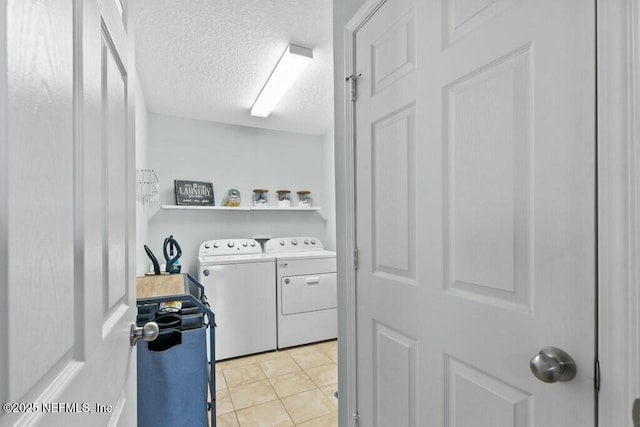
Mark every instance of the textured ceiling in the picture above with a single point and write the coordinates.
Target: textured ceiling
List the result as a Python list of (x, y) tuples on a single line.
[(208, 59)]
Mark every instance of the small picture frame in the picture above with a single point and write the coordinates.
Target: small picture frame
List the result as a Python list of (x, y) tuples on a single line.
[(194, 193)]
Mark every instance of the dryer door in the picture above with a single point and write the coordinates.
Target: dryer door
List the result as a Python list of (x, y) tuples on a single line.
[(302, 294)]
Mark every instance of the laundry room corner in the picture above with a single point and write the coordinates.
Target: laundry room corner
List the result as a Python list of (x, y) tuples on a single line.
[(242, 158)]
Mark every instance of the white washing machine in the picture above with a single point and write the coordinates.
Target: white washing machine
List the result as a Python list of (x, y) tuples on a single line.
[(306, 290), (238, 282)]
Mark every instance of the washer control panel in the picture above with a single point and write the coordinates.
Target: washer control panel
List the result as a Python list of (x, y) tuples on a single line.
[(293, 244), (229, 247)]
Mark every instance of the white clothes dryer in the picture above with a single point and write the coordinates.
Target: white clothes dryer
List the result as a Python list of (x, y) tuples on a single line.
[(306, 290), (238, 282)]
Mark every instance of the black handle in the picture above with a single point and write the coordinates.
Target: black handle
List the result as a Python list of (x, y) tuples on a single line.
[(171, 242), (156, 266)]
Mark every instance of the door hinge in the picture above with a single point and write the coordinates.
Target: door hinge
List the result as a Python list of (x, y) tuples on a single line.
[(355, 258), (596, 376), (352, 79), (635, 413), (356, 419)]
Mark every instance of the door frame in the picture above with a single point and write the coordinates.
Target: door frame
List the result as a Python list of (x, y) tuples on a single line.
[(618, 128), (618, 210)]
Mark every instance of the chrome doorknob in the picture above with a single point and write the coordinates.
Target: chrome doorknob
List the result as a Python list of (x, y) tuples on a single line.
[(149, 332), (552, 364)]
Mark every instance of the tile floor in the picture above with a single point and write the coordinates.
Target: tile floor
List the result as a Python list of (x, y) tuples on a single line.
[(292, 387)]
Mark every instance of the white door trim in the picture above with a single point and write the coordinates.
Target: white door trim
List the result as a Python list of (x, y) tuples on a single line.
[(618, 211), (348, 322), (618, 79), (4, 205)]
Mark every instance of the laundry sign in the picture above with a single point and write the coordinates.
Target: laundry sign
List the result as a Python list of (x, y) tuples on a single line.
[(194, 193)]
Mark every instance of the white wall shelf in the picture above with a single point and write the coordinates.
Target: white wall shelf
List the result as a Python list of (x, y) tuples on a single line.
[(273, 208), (240, 208), (204, 208)]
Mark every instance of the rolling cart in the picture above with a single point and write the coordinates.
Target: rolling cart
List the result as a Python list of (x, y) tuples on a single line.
[(173, 370)]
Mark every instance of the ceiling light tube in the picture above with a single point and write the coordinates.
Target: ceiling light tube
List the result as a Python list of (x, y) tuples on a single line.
[(291, 64)]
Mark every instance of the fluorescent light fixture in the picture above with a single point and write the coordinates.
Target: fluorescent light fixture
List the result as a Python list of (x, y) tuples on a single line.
[(291, 64)]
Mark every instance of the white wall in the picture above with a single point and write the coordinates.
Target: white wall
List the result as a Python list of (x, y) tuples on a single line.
[(142, 211), (330, 200), (238, 157)]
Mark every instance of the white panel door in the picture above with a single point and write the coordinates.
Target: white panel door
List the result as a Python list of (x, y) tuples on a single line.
[(475, 223), (67, 294)]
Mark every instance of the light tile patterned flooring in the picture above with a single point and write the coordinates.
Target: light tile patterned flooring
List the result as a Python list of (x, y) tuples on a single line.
[(292, 387)]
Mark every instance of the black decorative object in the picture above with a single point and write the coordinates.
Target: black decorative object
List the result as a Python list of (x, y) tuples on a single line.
[(194, 193)]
